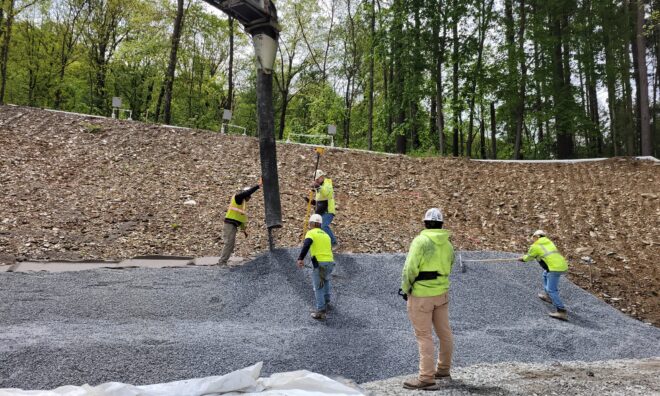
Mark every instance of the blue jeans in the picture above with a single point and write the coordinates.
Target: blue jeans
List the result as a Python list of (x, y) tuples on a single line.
[(551, 286), (327, 219), (322, 291)]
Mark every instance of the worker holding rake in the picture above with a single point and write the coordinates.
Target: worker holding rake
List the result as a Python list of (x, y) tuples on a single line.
[(554, 266), (325, 202), (322, 196)]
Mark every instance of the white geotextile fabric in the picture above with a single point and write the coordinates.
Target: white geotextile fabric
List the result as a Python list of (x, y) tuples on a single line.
[(245, 381)]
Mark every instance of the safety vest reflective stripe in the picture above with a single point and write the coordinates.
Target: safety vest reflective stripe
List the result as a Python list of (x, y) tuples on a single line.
[(237, 212), (547, 252), (235, 209)]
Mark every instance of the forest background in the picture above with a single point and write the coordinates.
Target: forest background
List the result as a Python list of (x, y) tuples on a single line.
[(477, 78)]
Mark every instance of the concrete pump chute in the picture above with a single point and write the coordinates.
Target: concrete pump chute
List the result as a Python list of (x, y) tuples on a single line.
[(259, 18)]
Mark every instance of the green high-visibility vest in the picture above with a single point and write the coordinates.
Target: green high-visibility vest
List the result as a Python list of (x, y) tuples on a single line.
[(430, 251), (327, 193), (544, 249), (321, 247)]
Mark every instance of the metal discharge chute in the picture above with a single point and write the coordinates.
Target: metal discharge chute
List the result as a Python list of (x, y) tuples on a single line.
[(259, 18)]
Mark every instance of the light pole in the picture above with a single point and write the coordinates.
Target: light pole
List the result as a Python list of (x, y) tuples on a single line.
[(259, 17)]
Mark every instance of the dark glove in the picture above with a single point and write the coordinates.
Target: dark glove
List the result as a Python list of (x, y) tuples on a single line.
[(322, 275), (403, 295)]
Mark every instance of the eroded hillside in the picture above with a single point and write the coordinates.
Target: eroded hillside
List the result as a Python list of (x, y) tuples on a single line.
[(75, 187)]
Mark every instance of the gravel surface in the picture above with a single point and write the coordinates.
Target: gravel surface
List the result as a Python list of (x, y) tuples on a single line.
[(615, 377), (146, 326)]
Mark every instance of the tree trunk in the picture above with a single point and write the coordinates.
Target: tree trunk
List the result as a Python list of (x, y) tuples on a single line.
[(4, 50), (482, 132), (511, 93), (591, 81), (159, 103), (433, 127), (372, 49), (610, 80), (147, 100), (171, 66), (628, 110), (414, 133), (493, 131), (387, 82), (456, 106), (484, 21), (561, 91), (285, 103), (520, 102), (230, 71), (539, 93), (640, 55), (347, 113), (439, 102)]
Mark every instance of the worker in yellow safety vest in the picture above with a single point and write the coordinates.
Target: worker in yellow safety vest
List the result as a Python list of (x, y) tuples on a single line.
[(425, 287), (325, 203), (235, 218), (554, 266), (317, 243)]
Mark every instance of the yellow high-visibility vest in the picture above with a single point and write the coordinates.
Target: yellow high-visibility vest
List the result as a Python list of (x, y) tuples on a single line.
[(321, 247), (237, 212)]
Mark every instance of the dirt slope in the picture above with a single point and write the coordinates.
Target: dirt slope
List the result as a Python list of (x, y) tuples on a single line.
[(74, 187)]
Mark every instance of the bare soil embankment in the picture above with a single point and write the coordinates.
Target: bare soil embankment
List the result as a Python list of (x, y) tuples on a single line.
[(75, 187)]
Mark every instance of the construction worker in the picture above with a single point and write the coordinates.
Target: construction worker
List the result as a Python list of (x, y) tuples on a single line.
[(554, 265), (425, 286), (325, 202), (235, 218), (317, 242)]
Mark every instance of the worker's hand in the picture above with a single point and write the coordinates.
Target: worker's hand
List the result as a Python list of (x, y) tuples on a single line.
[(260, 182), (300, 263)]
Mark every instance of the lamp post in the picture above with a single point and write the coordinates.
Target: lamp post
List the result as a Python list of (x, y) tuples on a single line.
[(259, 17)]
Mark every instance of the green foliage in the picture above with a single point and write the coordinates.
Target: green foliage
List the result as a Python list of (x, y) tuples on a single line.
[(77, 54)]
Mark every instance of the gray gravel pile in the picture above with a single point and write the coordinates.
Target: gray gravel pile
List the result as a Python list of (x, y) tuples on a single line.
[(147, 326)]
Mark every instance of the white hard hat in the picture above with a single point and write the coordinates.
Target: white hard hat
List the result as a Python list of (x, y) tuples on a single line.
[(318, 174), (433, 214), (316, 218), (539, 233)]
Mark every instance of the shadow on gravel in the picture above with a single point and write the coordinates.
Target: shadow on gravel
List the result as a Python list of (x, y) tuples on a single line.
[(152, 325)]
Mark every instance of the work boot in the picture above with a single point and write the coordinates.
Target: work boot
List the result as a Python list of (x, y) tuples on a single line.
[(318, 315), (417, 384), (442, 374), (545, 297), (560, 314)]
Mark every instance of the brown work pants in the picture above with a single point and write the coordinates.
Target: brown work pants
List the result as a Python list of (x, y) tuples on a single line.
[(427, 314), (229, 239)]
